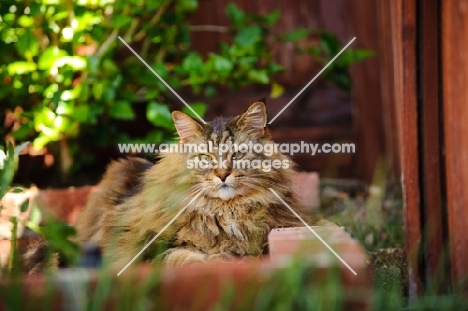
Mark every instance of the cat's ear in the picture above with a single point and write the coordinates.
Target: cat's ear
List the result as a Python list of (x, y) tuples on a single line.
[(255, 117), (186, 126)]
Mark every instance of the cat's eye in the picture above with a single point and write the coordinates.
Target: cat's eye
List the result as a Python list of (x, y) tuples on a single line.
[(205, 158), (238, 155)]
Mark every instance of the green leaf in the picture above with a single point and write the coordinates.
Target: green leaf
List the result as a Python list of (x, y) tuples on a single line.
[(44, 117), (95, 109), (7, 162), (198, 107), (152, 94), (23, 131), (221, 64), (273, 68), (159, 115), (235, 14), (50, 90), (3, 158), (63, 124), (97, 90), (329, 43), (40, 141), (48, 58), (248, 36), (87, 21), (161, 70), (76, 62), (57, 233), (109, 66), (341, 78), (27, 45), (65, 108), (259, 76), (122, 110), (276, 90), (362, 54), (35, 216), (45, 124), (272, 18), (192, 62), (344, 61), (295, 35), (186, 6), (60, 15), (24, 206), (119, 21), (26, 21), (20, 68)]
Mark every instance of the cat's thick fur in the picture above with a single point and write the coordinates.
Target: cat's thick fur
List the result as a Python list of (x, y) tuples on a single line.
[(230, 210)]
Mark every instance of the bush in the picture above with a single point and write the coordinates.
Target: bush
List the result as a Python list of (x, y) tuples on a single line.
[(65, 75)]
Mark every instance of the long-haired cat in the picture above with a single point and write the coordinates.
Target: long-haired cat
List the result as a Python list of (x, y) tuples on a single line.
[(230, 209)]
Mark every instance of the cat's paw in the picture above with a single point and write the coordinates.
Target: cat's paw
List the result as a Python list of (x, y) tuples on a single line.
[(221, 257), (182, 256)]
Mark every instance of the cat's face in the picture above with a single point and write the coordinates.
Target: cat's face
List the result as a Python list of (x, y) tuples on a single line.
[(222, 169)]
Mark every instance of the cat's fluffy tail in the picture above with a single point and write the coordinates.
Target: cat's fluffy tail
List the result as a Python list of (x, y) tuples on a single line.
[(36, 257)]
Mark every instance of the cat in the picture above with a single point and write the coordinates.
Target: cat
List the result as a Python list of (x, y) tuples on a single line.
[(229, 209)]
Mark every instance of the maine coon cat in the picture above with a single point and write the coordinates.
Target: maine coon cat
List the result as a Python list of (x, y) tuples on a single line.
[(231, 208)]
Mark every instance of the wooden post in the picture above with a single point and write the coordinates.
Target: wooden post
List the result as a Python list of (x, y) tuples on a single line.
[(427, 59), (455, 104), (369, 116), (407, 114), (431, 159)]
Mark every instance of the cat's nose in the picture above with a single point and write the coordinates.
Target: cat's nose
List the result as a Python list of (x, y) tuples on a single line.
[(223, 175)]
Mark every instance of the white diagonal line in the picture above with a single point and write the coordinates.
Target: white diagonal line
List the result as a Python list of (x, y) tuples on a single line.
[(160, 232), (313, 79), (313, 231), (162, 80)]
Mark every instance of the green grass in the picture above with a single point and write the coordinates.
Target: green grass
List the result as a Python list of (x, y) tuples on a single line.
[(296, 287)]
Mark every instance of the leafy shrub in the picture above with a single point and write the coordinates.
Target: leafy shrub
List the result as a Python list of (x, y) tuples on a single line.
[(65, 75)]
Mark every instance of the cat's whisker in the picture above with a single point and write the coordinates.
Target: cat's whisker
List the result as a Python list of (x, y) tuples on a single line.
[(253, 186), (193, 191), (263, 183)]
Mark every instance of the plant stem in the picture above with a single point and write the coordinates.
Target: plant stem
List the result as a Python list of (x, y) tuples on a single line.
[(14, 238), (105, 46)]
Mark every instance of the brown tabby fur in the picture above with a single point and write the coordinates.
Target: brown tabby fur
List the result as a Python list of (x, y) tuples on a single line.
[(136, 199)]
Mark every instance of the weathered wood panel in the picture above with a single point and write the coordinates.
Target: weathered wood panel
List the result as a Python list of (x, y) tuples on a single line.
[(431, 147), (429, 92), (368, 118), (387, 64), (455, 102), (403, 17)]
